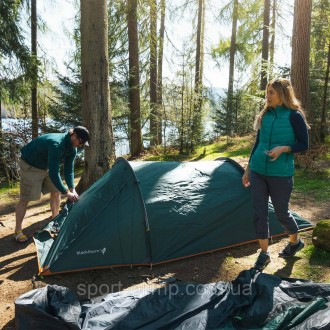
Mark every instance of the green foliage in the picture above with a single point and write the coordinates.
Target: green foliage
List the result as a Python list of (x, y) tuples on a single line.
[(247, 106), (320, 40), (320, 34), (218, 105), (309, 161), (240, 119), (222, 49), (312, 175), (248, 36), (65, 108), (10, 144), (16, 93), (18, 69), (15, 59), (8, 159), (118, 40), (12, 39)]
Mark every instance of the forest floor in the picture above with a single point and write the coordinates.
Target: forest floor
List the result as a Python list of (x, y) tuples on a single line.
[(18, 262)]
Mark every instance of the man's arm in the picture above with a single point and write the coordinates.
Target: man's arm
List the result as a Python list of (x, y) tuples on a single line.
[(54, 169), (69, 169), (54, 174)]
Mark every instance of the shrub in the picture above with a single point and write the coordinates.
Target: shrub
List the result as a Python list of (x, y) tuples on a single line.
[(314, 159)]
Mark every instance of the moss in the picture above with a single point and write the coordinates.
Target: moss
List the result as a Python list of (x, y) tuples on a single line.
[(321, 235)]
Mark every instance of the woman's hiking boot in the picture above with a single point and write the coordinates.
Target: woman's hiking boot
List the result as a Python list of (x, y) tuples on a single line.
[(262, 261), (291, 249)]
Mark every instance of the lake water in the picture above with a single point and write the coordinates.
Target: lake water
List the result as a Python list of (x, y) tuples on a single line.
[(16, 125), (21, 126)]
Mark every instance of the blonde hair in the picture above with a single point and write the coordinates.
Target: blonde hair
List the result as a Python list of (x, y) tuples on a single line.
[(287, 97)]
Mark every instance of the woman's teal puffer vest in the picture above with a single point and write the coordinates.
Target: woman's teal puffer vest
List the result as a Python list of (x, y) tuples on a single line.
[(276, 130)]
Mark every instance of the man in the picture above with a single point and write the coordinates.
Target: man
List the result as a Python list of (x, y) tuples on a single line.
[(40, 171)]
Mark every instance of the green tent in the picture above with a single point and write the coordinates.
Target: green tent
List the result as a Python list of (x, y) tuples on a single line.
[(146, 213)]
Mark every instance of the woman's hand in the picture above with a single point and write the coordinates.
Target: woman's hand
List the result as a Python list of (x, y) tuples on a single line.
[(277, 151), (245, 179)]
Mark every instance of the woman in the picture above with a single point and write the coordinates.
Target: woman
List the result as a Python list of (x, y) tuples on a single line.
[(282, 131)]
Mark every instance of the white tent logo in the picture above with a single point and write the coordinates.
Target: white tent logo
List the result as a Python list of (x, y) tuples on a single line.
[(83, 252)]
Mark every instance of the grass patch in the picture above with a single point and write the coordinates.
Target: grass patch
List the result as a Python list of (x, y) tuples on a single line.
[(315, 264), (235, 147), (318, 187), (239, 147), (317, 256), (8, 191)]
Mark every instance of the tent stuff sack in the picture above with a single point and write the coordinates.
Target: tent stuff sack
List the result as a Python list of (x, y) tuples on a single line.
[(252, 301), (146, 213)]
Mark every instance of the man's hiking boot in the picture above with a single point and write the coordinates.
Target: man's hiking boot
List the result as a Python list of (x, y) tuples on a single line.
[(262, 261), (291, 249)]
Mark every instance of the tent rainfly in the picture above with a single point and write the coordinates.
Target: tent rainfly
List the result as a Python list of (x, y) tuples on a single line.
[(265, 302), (146, 213)]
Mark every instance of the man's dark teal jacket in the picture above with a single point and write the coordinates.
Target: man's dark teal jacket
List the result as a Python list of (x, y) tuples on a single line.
[(47, 152)]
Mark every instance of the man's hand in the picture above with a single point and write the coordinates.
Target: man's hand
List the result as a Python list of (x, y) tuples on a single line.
[(72, 195)]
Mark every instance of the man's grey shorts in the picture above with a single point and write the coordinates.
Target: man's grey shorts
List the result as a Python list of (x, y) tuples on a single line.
[(34, 181)]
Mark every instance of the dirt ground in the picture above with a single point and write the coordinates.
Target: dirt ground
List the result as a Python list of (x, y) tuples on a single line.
[(18, 262)]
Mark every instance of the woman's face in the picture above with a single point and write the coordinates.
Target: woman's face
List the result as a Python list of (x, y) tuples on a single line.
[(272, 97)]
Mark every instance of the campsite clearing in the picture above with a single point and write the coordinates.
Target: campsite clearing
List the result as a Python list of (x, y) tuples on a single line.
[(19, 263)]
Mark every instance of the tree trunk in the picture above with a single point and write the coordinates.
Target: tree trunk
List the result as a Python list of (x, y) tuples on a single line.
[(0, 113), (182, 122), (272, 40), (34, 88), (134, 80), (232, 52), (2, 165), (197, 106), (153, 74), (324, 101), (160, 70), (265, 46), (301, 53), (96, 106)]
